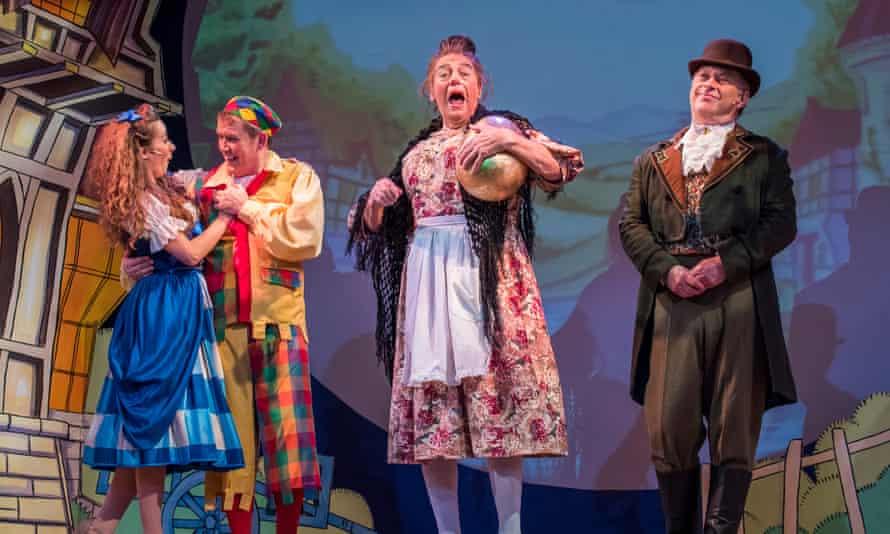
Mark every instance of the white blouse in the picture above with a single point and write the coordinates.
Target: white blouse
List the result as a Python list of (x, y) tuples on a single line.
[(160, 226)]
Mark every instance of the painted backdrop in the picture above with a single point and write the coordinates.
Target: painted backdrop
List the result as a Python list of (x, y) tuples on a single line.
[(608, 76)]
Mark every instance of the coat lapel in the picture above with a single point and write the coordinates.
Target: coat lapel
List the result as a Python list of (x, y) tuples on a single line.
[(735, 151), (669, 161)]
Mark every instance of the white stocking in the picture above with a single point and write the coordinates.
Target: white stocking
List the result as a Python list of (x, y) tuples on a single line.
[(440, 477), (506, 485)]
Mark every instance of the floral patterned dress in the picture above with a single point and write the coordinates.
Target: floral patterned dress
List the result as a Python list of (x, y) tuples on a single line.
[(516, 409)]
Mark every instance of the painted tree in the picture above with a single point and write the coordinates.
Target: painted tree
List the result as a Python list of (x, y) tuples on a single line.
[(256, 48), (818, 62), (818, 71)]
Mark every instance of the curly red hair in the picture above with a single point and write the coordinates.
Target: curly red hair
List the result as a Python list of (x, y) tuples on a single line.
[(121, 178)]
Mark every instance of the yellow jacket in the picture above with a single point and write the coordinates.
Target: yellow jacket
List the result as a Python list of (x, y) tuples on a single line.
[(286, 221)]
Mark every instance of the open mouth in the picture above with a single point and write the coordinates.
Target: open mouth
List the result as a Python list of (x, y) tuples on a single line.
[(456, 97)]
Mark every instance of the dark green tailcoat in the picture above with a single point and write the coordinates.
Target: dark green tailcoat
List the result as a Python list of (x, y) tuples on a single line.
[(748, 198)]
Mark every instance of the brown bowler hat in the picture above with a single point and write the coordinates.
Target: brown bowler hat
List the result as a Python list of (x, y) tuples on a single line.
[(728, 53)]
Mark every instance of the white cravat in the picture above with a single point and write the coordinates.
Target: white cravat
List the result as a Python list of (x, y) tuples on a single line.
[(702, 145)]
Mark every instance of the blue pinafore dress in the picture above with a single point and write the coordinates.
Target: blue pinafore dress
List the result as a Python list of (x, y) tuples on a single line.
[(163, 402)]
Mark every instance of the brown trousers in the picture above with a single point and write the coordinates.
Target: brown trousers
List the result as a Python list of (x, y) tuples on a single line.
[(707, 362)]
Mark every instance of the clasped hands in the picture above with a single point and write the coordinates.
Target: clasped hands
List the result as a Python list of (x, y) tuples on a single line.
[(689, 283), (230, 199)]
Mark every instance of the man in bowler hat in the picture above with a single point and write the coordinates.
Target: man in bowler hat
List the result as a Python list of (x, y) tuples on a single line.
[(707, 210)]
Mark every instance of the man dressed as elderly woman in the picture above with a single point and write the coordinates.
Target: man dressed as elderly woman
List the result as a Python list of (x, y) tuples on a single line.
[(461, 328), (706, 212)]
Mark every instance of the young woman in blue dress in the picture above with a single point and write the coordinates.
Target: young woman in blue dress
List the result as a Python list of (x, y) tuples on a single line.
[(163, 404)]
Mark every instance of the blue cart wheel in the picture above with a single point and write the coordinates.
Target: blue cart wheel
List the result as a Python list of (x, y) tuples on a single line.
[(184, 512)]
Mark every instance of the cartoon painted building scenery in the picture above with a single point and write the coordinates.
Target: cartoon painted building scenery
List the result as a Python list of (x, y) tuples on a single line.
[(65, 68), (344, 77)]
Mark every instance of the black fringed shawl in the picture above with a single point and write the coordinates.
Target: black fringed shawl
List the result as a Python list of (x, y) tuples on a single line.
[(383, 253)]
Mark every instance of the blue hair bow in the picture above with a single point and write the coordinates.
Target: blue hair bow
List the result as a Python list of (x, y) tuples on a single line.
[(128, 116)]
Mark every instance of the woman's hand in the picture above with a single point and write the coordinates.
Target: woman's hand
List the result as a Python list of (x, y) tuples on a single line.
[(384, 194), (487, 141)]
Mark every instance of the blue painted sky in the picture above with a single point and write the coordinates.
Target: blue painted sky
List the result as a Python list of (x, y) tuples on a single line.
[(569, 58)]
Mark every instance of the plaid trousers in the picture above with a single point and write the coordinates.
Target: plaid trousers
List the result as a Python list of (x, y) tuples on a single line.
[(282, 387)]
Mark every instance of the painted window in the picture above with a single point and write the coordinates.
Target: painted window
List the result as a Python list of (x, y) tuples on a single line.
[(339, 196), (74, 48), (71, 10), (12, 22), (64, 152), (23, 131), (38, 267), (45, 35), (89, 293), (21, 394)]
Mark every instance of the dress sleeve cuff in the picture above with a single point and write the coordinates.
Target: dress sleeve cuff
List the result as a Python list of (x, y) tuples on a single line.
[(570, 159)]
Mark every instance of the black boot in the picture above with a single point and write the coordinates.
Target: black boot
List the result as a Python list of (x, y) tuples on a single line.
[(680, 500), (726, 499)]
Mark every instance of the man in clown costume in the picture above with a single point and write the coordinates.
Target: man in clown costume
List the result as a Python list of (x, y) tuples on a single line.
[(255, 278)]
